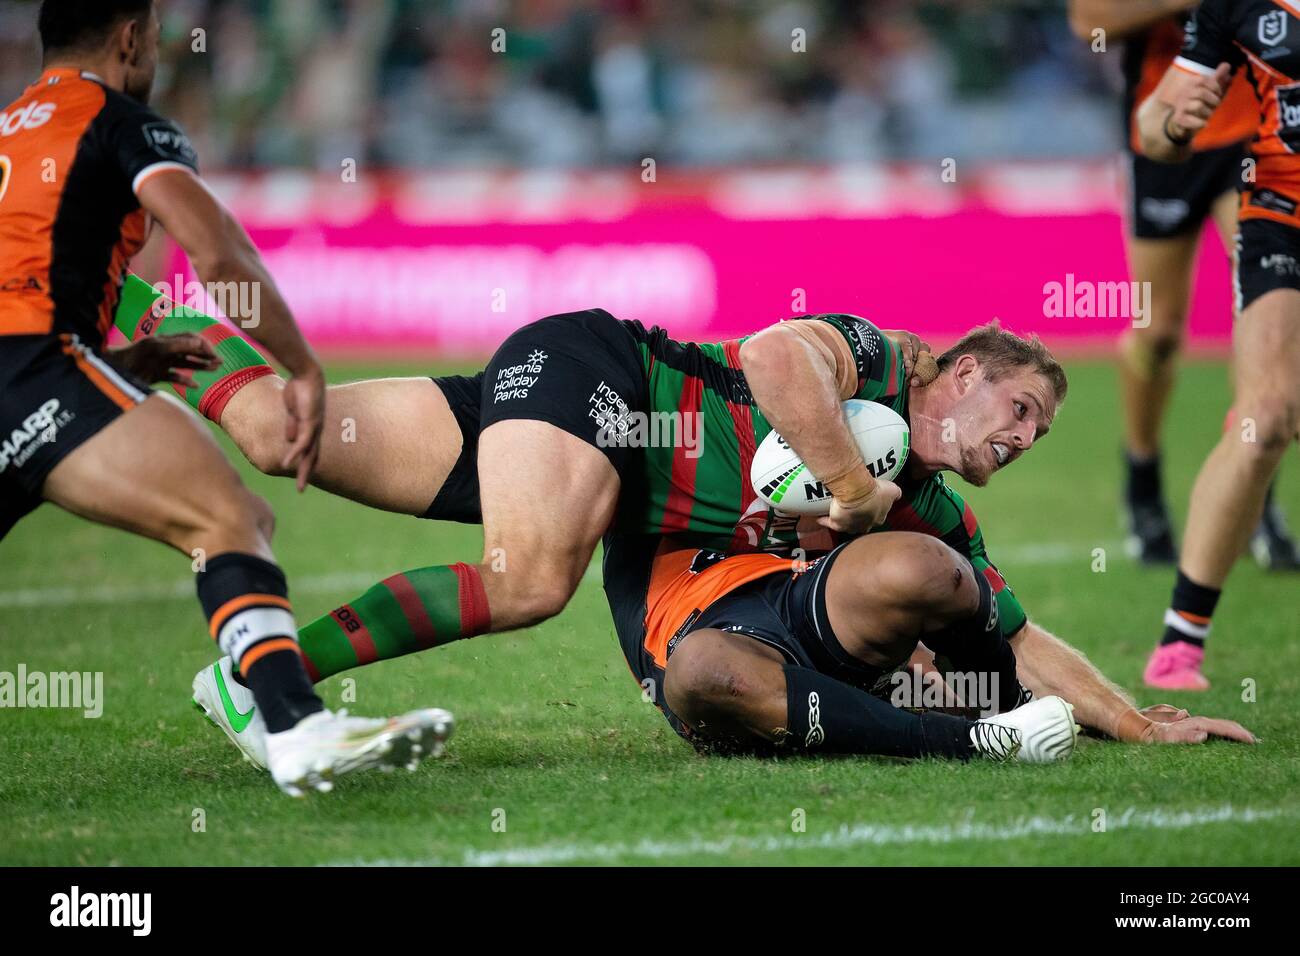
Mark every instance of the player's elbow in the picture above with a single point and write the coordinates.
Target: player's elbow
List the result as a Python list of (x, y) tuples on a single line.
[(769, 357)]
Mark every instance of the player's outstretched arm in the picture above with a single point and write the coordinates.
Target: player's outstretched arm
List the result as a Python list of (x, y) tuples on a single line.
[(1121, 18), (1178, 108), (1047, 665), (221, 252)]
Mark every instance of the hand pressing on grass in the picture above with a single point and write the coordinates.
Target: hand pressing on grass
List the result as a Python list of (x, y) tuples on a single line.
[(1166, 724)]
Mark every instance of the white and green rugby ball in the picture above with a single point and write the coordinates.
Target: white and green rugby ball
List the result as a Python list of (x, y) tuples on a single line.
[(783, 481)]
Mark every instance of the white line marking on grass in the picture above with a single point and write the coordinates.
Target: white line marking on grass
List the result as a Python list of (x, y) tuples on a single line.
[(862, 834), (1052, 552)]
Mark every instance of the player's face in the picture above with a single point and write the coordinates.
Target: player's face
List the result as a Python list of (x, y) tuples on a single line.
[(999, 421), (140, 71)]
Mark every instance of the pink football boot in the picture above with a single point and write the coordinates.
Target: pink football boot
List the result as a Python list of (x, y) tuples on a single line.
[(1176, 666)]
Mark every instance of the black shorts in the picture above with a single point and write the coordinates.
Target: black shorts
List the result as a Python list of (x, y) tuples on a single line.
[(579, 371), (1268, 258), (1174, 199), (55, 394), (786, 612)]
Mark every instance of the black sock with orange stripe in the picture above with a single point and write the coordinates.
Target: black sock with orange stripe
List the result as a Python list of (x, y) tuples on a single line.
[(1190, 610), (246, 600)]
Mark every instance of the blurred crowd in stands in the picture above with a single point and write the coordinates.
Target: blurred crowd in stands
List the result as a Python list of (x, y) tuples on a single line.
[(574, 83)]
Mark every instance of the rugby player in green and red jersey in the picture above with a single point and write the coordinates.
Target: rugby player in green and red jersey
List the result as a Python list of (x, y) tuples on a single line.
[(539, 447)]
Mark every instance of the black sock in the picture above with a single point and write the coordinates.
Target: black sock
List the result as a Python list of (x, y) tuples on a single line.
[(1190, 610), (1143, 481), (246, 601), (282, 690), (826, 716), (976, 646)]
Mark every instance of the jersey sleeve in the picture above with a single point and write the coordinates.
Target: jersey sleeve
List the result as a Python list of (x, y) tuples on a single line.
[(1208, 39), (879, 365), (937, 510), (140, 142)]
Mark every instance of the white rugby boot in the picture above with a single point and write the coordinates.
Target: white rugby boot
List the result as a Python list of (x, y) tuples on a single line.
[(325, 745), (230, 705), (1041, 731)]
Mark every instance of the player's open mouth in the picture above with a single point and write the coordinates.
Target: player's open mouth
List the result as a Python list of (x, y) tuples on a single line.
[(1001, 452)]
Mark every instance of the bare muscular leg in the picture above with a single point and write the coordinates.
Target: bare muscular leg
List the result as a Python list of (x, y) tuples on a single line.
[(388, 443), (1229, 492), (156, 471)]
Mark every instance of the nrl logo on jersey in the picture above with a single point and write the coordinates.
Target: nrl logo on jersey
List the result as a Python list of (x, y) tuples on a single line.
[(1272, 27)]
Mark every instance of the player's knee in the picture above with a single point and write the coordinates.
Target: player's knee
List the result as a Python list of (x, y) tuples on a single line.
[(264, 446), (239, 513), (1268, 425), (1163, 345), (928, 574), (262, 514), (530, 599), (1149, 352), (229, 518), (702, 681)]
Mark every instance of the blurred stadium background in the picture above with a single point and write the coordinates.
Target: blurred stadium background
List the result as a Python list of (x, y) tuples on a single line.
[(927, 164), (412, 84)]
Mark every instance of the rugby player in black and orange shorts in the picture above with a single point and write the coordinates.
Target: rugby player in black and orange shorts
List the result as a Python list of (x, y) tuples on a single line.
[(1167, 209), (697, 570), (1261, 40), (86, 168)]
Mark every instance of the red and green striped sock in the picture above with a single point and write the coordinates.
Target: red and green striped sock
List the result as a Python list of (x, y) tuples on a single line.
[(143, 311), (400, 615)]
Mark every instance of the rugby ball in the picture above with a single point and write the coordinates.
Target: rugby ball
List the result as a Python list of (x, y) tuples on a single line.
[(781, 479)]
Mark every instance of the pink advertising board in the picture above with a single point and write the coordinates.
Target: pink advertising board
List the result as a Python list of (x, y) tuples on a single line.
[(453, 262)]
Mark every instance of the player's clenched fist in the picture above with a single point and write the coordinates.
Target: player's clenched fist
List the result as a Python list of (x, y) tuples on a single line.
[(865, 513), (1194, 103)]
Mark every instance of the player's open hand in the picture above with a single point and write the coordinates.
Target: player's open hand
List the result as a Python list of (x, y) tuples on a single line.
[(918, 364), (1167, 727), (861, 516), (304, 400), (1195, 103), (166, 358)]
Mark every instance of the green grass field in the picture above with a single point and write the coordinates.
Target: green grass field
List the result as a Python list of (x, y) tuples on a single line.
[(556, 748)]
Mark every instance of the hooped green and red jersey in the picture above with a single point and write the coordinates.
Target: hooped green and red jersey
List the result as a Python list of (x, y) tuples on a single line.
[(696, 488)]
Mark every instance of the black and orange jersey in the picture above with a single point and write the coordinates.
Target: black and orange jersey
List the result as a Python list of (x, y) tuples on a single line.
[(73, 154), (1264, 37), (685, 580), (1147, 55)]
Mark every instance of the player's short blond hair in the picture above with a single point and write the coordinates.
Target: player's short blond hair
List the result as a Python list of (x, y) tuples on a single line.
[(1001, 352)]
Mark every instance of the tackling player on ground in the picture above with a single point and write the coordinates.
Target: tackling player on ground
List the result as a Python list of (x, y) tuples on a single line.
[(85, 169), (569, 385), (1258, 37)]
